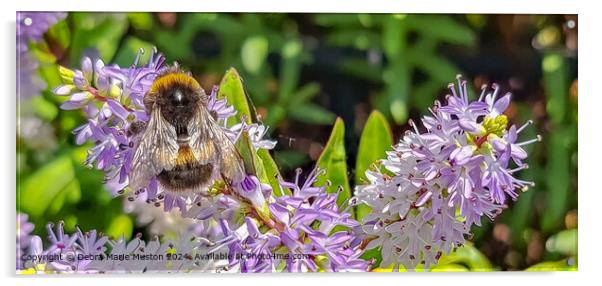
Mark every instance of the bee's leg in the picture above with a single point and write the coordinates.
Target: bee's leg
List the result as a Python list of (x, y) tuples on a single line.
[(136, 128), (227, 181)]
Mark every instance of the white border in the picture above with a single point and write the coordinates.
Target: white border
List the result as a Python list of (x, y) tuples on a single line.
[(348, 6), (590, 259)]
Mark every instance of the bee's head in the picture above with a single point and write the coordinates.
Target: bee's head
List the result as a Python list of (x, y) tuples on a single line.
[(177, 94)]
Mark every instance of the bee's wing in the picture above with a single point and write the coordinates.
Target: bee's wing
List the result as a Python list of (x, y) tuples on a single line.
[(209, 143), (231, 162), (201, 137), (156, 151)]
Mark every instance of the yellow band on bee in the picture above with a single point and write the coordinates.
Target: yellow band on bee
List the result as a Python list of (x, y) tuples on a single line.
[(165, 81)]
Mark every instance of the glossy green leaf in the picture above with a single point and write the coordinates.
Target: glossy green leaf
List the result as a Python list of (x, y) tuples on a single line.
[(141, 20), (60, 34), (333, 162), (450, 268), (44, 108), (271, 171), (231, 88), (569, 264), (375, 140), (96, 32), (121, 225), (70, 194), (375, 255), (37, 192), (467, 255), (249, 156)]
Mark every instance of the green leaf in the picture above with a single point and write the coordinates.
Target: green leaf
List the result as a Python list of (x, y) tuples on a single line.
[(71, 194), (397, 78), (394, 37), (44, 108), (521, 213), (39, 190), (312, 114), (231, 88), (254, 52), (254, 165), (373, 254), (376, 139), (289, 72), (564, 242), (333, 162), (556, 86), (558, 168), (305, 93), (248, 154), (443, 28), (60, 33), (569, 264), (439, 68), (271, 171), (466, 255), (362, 69), (121, 225), (450, 268), (141, 20), (93, 31)]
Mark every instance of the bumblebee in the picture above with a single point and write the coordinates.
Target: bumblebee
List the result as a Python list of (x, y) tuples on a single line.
[(182, 145)]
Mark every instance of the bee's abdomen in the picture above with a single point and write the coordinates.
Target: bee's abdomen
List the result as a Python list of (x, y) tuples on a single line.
[(183, 178), (187, 174)]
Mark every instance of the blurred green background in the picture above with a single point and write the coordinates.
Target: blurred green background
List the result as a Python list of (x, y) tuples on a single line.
[(301, 72)]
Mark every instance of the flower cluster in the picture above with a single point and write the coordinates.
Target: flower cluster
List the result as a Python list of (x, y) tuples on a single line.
[(300, 232), (305, 231), (425, 196), (24, 230), (436, 184), (31, 26), (94, 252), (112, 99)]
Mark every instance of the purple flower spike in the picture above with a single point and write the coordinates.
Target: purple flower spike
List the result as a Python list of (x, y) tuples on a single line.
[(438, 183), (299, 235)]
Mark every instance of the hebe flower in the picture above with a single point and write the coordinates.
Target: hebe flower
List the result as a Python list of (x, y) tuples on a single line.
[(31, 26), (24, 230), (88, 252), (298, 236), (112, 99), (434, 185)]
